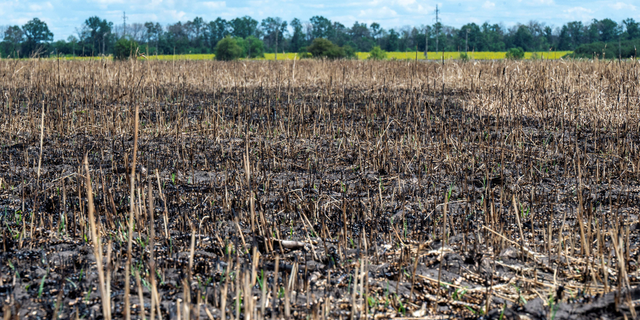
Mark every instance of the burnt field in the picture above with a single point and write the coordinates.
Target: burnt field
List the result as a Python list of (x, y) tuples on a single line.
[(317, 189)]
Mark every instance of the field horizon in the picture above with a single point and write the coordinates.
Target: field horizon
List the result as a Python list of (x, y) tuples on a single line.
[(499, 55)]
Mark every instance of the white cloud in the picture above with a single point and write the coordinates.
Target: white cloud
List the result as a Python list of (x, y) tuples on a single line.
[(411, 6), (109, 2), (623, 6), (384, 12), (40, 7), (577, 13), (489, 5), (214, 4), (176, 15), (405, 3), (578, 10)]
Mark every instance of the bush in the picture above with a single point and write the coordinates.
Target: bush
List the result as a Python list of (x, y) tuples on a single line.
[(377, 54), (349, 51), (228, 49), (515, 54), (464, 57), (323, 48), (125, 48), (252, 47), (607, 50)]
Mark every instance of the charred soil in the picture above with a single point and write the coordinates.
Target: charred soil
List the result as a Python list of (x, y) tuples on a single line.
[(318, 189)]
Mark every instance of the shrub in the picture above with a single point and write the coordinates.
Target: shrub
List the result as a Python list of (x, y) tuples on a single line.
[(323, 48), (607, 50), (306, 55), (228, 49), (464, 57), (515, 54), (349, 51), (252, 47), (377, 54), (125, 48)]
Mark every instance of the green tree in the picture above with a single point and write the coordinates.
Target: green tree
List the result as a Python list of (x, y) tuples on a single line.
[(297, 39), (610, 50), (323, 48), (361, 37), (633, 28), (274, 30), (154, 31), (321, 27), (377, 54), (349, 50), (468, 37), (608, 29), (564, 39), (37, 33), (228, 49), (125, 48), (216, 30), (178, 37), (252, 47), (13, 38), (375, 31), (492, 38), (244, 27), (576, 32), (523, 38), (197, 27), (97, 34), (392, 41)]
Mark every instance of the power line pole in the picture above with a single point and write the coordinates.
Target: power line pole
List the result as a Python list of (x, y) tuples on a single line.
[(466, 42), (426, 42), (124, 24), (437, 28)]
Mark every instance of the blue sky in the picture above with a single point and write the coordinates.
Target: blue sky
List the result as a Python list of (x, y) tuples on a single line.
[(64, 16)]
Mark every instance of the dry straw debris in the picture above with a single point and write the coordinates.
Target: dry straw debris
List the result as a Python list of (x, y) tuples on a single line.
[(319, 189)]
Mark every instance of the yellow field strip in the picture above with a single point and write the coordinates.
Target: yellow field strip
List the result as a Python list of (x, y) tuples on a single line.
[(552, 55)]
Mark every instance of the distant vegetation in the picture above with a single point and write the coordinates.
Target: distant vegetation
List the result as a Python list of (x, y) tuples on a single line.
[(323, 48), (125, 48), (228, 49), (377, 54), (608, 50), (553, 55), (99, 37), (515, 54)]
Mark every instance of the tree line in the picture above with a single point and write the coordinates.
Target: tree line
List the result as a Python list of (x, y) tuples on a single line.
[(98, 36)]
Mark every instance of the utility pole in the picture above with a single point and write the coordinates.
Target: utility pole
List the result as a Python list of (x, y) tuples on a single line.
[(437, 28), (426, 42), (124, 24), (466, 42), (619, 50)]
